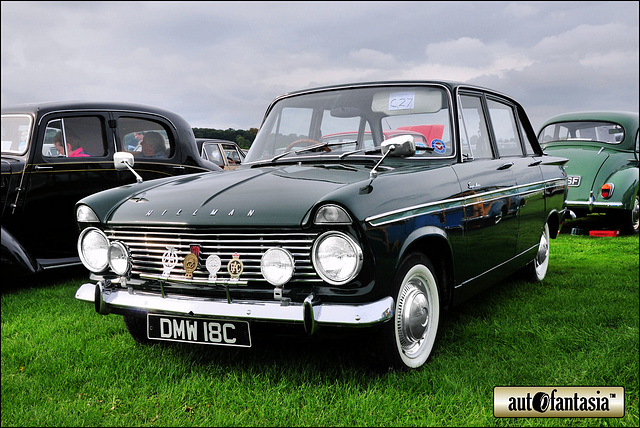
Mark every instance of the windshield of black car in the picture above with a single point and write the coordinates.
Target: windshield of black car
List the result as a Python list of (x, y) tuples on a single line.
[(15, 133), (355, 120), (601, 132)]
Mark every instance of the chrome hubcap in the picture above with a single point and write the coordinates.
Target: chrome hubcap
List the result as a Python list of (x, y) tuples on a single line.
[(413, 319)]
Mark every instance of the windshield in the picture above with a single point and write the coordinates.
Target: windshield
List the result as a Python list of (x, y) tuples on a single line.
[(341, 122), (601, 132), (15, 133)]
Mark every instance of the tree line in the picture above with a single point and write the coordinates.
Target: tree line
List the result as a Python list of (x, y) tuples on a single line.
[(242, 137)]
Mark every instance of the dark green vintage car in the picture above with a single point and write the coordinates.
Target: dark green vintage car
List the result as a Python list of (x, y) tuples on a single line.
[(602, 148), (311, 231)]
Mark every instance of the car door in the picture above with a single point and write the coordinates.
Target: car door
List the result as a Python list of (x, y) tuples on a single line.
[(514, 147), (489, 189), (57, 178)]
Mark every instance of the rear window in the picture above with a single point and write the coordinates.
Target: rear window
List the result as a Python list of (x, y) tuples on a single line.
[(601, 132)]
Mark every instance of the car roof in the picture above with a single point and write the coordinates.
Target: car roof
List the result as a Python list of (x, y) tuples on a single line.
[(39, 109), (627, 119)]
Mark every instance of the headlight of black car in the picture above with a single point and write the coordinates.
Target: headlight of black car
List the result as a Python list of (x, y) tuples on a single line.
[(337, 257)]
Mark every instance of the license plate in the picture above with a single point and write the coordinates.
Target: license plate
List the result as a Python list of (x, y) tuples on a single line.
[(198, 330), (573, 180)]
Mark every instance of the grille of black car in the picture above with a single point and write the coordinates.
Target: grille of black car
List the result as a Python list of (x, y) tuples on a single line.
[(148, 246)]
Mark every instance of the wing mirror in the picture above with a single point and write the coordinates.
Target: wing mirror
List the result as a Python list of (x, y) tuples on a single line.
[(124, 160), (400, 146)]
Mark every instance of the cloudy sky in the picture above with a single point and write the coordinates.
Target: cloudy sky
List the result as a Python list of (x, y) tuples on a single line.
[(220, 64)]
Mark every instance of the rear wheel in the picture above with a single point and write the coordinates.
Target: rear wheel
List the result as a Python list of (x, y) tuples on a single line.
[(630, 219), (409, 338), (537, 269)]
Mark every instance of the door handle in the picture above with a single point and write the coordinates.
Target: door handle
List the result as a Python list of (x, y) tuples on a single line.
[(40, 168), (505, 166)]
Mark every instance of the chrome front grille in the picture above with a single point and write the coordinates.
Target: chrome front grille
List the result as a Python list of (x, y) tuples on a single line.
[(148, 246)]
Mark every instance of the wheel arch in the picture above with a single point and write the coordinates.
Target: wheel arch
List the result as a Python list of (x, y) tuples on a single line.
[(434, 243)]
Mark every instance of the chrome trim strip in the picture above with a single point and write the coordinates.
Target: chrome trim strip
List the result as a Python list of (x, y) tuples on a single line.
[(324, 313), (595, 204), (428, 208)]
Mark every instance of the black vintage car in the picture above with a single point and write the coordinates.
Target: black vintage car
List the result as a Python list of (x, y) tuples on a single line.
[(314, 231), (54, 154)]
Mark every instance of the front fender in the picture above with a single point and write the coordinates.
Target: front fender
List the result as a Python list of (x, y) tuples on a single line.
[(16, 260)]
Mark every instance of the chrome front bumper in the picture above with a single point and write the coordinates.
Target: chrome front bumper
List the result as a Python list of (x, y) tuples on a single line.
[(311, 313)]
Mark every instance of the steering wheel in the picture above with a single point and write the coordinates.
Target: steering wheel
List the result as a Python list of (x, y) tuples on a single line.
[(306, 142)]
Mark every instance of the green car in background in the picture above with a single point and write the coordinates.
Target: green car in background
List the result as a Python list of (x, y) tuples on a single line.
[(602, 148)]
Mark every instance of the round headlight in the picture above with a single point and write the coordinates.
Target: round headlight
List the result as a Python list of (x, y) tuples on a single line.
[(277, 266), (93, 248), (337, 258), (119, 258)]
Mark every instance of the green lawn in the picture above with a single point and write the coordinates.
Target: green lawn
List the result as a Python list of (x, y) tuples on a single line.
[(65, 365)]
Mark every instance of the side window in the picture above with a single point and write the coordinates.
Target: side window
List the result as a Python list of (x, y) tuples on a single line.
[(73, 137), (233, 157), (474, 133), (213, 153), (504, 128), (145, 138)]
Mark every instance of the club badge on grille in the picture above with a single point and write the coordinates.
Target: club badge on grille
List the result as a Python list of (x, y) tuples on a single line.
[(213, 265), (235, 267), (169, 261), (191, 261)]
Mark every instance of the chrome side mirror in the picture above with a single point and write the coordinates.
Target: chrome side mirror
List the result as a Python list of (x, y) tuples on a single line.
[(400, 146), (124, 160)]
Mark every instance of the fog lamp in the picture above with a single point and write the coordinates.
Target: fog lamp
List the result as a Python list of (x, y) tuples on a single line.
[(277, 266), (119, 258)]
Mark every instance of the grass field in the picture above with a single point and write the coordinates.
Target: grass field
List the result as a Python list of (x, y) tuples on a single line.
[(65, 365)]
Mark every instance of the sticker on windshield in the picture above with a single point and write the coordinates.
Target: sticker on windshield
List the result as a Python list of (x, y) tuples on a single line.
[(401, 100), (438, 146)]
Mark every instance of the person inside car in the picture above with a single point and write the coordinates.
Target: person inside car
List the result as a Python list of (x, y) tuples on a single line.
[(153, 145), (73, 147)]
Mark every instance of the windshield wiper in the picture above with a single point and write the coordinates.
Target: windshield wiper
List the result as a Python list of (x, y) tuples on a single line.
[(323, 145), (365, 151), (308, 149)]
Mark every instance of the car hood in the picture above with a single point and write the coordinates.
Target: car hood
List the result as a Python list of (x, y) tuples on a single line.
[(268, 196), (282, 195)]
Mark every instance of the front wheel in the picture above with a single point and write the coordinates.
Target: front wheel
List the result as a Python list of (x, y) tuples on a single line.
[(137, 327), (409, 338)]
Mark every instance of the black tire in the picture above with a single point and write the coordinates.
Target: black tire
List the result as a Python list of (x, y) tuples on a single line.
[(536, 270), (137, 327), (629, 220), (408, 339)]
